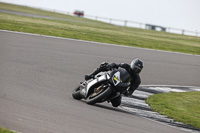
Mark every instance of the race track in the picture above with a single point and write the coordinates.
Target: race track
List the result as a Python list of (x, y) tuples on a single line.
[(38, 74)]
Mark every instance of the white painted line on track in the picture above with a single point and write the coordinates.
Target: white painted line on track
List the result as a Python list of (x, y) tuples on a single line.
[(181, 86), (24, 33)]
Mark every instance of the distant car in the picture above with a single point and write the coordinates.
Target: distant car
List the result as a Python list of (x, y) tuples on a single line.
[(78, 13)]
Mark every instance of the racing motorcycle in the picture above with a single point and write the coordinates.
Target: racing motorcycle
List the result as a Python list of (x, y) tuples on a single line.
[(103, 87)]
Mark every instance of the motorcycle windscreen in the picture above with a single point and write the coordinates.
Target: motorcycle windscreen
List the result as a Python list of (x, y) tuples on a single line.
[(120, 79)]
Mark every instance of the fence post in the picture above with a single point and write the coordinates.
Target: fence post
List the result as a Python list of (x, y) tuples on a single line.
[(183, 32), (125, 23)]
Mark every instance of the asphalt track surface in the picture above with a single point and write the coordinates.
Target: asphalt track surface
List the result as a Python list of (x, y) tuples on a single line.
[(38, 74)]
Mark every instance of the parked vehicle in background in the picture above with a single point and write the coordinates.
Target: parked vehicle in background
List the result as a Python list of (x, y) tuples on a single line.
[(78, 13)]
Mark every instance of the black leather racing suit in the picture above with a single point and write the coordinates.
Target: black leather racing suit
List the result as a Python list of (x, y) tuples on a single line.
[(135, 79)]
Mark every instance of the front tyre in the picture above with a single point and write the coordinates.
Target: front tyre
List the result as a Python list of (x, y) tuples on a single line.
[(100, 96), (76, 94)]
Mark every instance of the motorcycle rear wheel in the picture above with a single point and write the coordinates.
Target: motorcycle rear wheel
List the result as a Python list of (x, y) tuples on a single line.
[(76, 94), (99, 97)]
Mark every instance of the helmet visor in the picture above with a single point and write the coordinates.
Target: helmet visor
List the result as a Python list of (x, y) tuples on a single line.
[(137, 69)]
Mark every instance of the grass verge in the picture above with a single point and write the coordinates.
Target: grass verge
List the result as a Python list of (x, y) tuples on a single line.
[(183, 107), (3, 130), (85, 29)]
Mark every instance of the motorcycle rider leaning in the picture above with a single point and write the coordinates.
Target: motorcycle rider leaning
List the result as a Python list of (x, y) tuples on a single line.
[(133, 69)]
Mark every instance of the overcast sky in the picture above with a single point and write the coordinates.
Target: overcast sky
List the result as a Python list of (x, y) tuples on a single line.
[(182, 14)]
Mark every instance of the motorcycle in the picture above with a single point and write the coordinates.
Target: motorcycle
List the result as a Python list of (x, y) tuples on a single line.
[(103, 87)]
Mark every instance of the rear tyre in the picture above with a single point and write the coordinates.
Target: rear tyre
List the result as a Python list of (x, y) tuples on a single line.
[(76, 94), (99, 97)]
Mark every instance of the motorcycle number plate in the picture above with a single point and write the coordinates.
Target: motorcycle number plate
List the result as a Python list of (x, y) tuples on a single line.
[(116, 78)]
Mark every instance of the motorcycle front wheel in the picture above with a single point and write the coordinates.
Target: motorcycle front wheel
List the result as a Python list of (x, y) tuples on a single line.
[(100, 96), (76, 94)]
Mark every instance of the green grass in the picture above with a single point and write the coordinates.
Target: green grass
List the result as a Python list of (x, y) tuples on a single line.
[(183, 107), (85, 29), (3, 130)]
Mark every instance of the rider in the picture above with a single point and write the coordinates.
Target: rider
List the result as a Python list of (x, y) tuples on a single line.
[(133, 69)]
